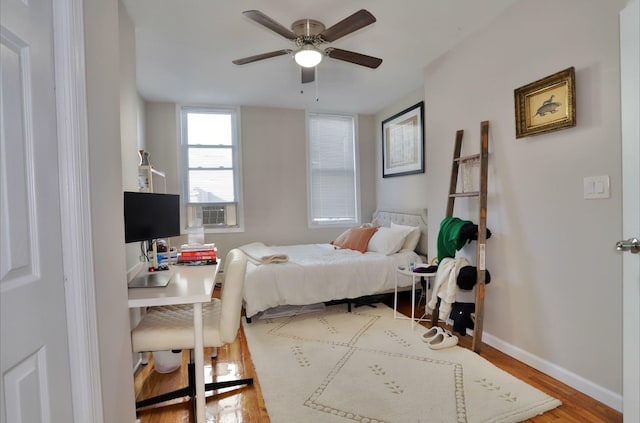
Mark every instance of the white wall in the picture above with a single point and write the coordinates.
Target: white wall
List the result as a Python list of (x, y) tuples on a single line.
[(142, 136), (131, 140), (161, 129), (105, 166), (273, 144), (400, 192), (129, 116), (367, 148), (128, 101), (555, 295)]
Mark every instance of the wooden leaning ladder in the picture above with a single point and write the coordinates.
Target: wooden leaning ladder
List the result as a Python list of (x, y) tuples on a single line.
[(483, 157)]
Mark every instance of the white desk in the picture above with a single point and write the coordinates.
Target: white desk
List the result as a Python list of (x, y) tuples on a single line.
[(188, 285), (413, 276)]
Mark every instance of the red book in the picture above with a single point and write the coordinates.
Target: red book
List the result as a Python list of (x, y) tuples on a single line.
[(198, 253)]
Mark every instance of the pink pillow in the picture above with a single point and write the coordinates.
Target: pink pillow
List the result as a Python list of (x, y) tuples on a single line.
[(343, 236), (356, 239)]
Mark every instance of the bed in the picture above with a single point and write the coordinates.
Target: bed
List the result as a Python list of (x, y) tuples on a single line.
[(305, 274)]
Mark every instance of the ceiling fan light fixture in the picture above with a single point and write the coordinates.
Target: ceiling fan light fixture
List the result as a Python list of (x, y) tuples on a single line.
[(308, 56)]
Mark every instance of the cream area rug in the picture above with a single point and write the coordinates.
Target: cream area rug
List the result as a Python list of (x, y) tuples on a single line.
[(333, 366)]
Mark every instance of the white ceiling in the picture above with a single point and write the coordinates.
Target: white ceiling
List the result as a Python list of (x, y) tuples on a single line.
[(184, 50)]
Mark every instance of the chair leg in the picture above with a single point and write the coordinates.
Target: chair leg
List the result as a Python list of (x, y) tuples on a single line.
[(227, 384), (179, 393), (190, 389), (144, 358), (187, 391), (191, 377)]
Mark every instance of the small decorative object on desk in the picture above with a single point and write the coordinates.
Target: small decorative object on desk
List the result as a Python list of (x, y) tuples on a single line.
[(144, 158)]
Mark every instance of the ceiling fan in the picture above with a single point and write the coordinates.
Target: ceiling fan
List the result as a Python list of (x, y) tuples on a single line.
[(309, 35)]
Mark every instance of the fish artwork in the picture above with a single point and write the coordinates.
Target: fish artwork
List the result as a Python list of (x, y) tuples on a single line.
[(548, 106)]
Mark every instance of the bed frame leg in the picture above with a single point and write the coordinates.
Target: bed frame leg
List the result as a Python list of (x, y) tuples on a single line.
[(248, 319), (349, 306)]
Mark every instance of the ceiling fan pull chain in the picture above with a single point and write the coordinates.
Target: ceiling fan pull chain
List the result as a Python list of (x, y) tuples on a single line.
[(317, 97)]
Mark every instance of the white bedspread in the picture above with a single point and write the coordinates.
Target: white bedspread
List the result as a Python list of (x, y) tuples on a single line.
[(318, 272)]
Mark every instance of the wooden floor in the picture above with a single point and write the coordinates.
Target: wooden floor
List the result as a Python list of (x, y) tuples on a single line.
[(246, 405)]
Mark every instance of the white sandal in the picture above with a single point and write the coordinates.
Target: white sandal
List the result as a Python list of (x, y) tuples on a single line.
[(432, 333), (443, 340)]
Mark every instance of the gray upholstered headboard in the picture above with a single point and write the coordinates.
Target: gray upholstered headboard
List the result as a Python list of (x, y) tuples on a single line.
[(409, 218)]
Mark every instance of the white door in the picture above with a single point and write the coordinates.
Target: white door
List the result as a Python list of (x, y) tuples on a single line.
[(630, 94), (35, 384)]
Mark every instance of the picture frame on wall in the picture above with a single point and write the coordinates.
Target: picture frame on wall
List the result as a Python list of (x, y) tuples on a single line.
[(403, 142), (546, 105)]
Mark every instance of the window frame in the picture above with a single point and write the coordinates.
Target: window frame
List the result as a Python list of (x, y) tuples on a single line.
[(313, 224), (236, 165)]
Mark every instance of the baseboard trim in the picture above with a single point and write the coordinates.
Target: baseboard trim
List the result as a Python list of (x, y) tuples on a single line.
[(583, 385), (137, 364)]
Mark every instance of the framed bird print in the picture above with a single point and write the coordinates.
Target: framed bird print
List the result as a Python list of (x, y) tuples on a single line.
[(546, 105)]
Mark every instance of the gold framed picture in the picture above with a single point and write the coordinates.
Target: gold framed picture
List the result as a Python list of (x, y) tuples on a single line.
[(546, 105)]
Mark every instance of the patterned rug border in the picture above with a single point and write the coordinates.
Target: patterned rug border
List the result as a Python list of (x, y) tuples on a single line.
[(294, 330)]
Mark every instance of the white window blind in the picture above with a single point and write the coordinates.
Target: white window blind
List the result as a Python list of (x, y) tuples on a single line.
[(332, 170)]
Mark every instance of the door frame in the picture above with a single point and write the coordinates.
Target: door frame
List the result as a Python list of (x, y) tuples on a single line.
[(630, 105), (73, 154)]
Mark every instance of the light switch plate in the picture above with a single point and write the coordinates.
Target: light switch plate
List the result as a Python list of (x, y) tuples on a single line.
[(596, 187)]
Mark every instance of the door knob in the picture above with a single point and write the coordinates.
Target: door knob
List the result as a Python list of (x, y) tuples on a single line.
[(631, 244)]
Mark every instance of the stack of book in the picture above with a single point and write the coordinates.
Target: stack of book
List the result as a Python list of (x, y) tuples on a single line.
[(198, 254)]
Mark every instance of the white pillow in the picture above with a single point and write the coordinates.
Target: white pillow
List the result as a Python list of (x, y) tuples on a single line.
[(411, 241), (387, 240)]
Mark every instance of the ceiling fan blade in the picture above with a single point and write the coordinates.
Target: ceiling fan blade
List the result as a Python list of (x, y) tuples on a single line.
[(262, 56), (266, 21), (358, 20), (308, 74), (353, 57)]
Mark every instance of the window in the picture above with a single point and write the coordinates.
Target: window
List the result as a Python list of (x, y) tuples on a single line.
[(210, 154), (332, 170)]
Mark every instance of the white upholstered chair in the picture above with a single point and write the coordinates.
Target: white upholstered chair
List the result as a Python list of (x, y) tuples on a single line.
[(171, 328)]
